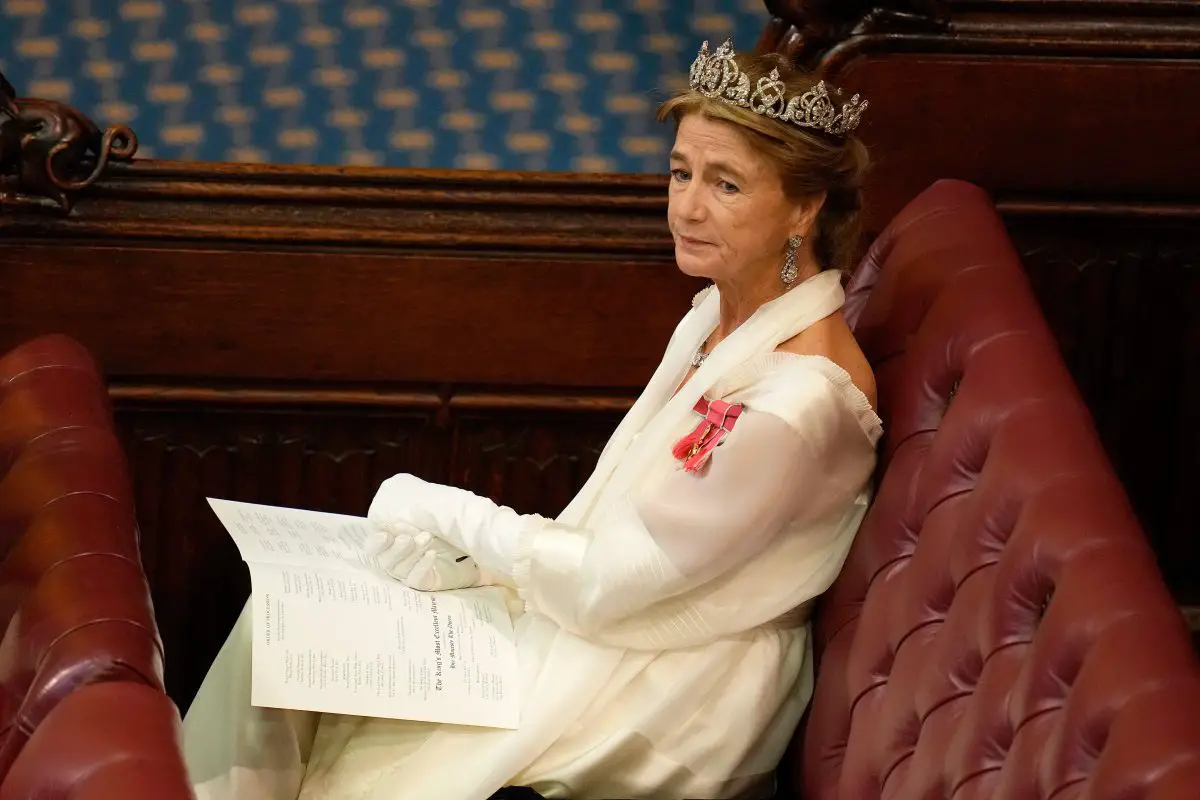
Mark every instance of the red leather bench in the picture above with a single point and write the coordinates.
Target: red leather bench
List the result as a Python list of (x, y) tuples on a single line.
[(1000, 629), (81, 663)]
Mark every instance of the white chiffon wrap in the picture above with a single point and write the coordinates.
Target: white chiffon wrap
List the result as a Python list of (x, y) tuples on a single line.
[(663, 646)]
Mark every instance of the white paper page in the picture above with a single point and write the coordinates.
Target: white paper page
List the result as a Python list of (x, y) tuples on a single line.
[(356, 643), (294, 536)]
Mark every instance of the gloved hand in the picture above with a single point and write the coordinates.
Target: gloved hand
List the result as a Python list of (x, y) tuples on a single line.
[(425, 562), (406, 506)]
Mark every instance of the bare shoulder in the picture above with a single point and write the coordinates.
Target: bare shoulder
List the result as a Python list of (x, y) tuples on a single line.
[(832, 338)]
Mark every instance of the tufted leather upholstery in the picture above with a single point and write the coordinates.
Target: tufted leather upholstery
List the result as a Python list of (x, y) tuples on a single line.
[(78, 753), (1000, 629), (74, 603)]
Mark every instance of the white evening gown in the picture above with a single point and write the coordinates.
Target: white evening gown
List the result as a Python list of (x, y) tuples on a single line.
[(664, 639)]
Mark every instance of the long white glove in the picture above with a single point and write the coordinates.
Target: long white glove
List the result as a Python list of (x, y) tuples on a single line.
[(424, 562), (432, 537)]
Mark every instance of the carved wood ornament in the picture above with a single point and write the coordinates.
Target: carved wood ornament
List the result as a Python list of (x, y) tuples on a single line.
[(49, 151)]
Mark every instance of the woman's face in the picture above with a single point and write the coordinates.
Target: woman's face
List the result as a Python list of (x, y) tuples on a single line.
[(727, 209)]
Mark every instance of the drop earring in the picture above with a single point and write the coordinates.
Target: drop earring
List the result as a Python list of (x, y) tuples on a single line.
[(790, 268)]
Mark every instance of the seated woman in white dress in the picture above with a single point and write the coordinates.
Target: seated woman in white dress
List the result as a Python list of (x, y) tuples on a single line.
[(662, 621)]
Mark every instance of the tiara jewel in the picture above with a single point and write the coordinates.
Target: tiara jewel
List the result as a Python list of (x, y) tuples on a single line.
[(718, 76)]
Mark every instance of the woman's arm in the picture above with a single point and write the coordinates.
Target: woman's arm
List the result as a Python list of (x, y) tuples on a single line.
[(774, 471)]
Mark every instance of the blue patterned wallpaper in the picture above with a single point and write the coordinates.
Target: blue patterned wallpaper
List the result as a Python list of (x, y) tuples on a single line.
[(563, 85)]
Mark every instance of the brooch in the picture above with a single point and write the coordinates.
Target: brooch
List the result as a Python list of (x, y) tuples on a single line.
[(695, 449)]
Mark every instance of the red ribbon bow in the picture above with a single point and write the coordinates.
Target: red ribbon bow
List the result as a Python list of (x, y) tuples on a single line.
[(695, 449)]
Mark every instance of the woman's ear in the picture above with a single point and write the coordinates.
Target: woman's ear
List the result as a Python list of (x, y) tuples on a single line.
[(804, 218)]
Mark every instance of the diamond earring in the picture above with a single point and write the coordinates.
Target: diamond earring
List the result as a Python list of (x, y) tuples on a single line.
[(790, 268)]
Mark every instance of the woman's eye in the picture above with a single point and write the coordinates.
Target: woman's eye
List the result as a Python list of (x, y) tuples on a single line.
[(680, 175), (727, 187)]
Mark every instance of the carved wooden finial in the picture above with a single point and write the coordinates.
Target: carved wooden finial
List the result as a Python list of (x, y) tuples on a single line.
[(49, 151), (805, 30)]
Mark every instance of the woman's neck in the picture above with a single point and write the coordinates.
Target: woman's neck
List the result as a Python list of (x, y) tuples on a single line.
[(740, 299)]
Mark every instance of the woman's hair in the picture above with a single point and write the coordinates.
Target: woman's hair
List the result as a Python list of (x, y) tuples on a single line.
[(809, 161)]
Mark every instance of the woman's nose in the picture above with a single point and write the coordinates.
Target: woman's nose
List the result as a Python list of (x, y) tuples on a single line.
[(691, 203)]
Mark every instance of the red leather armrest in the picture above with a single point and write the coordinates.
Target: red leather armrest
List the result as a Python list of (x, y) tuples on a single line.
[(106, 741)]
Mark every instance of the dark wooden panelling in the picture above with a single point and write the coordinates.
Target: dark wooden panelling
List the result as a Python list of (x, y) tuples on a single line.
[(350, 317), (1122, 296), (532, 461), (1102, 131), (826, 34), (368, 208)]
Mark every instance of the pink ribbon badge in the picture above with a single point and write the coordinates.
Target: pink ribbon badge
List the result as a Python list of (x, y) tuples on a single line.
[(695, 449)]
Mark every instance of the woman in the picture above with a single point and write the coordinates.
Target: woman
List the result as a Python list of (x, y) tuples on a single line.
[(664, 643)]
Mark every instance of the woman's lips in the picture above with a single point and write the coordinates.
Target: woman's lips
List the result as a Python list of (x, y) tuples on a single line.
[(688, 241)]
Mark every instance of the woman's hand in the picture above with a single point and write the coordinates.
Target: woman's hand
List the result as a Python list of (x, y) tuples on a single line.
[(422, 561), (406, 506)]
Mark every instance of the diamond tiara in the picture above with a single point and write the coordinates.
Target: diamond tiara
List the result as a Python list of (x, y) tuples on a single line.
[(718, 76)]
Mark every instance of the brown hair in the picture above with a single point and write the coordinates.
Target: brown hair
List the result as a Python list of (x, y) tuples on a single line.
[(810, 161)]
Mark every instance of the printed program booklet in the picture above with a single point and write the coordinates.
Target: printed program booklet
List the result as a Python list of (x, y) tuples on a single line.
[(333, 633)]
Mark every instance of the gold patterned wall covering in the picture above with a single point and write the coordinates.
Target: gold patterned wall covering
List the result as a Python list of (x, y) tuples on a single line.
[(564, 85)]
